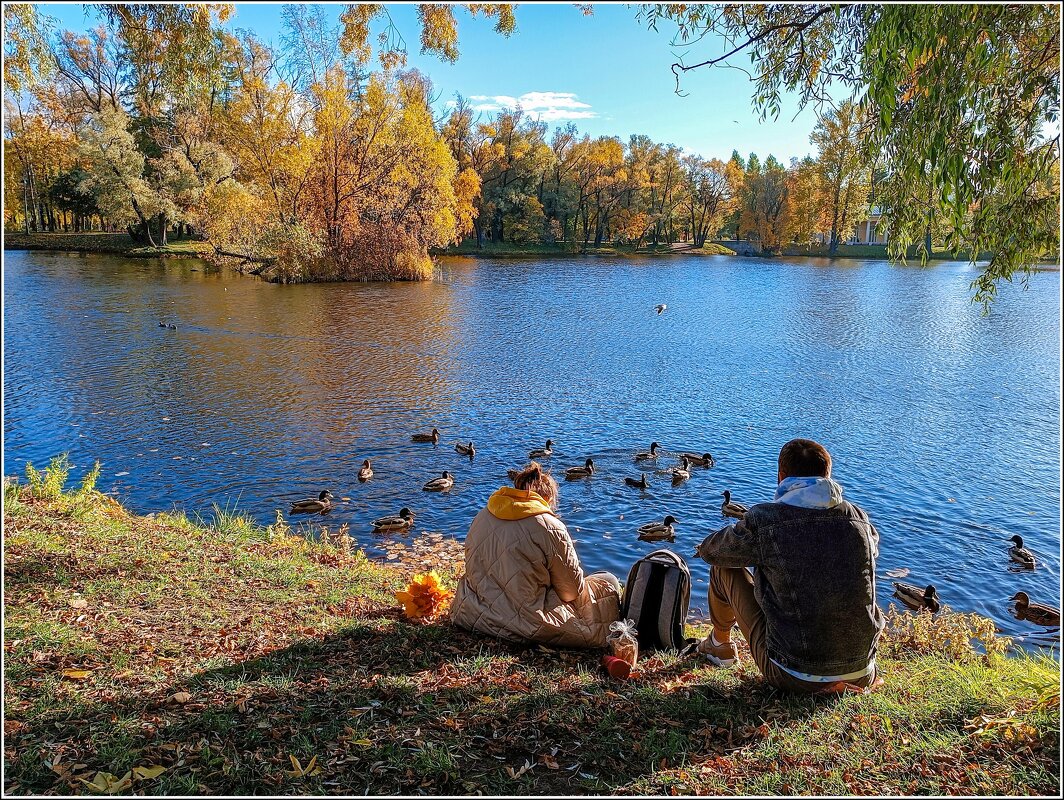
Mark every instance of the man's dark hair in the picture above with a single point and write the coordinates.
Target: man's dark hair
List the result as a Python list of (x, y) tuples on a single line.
[(804, 458)]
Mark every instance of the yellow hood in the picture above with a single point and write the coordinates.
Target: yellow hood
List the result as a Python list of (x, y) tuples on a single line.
[(511, 504)]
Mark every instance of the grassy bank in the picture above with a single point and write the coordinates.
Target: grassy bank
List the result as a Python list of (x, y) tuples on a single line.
[(99, 242), (508, 250), (217, 656)]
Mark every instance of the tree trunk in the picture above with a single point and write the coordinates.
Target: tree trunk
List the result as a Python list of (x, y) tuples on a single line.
[(144, 226)]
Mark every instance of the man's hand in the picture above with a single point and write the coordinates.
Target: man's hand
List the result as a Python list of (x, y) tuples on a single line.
[(702, 550)]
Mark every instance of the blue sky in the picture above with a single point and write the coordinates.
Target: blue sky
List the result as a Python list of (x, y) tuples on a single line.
[(607, 73)]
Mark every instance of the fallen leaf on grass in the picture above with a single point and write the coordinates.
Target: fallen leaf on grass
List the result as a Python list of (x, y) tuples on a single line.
[(147, 773), (517, 773), (106, 783), (299, 771), (78, 602), (181, 697), (77, 674)]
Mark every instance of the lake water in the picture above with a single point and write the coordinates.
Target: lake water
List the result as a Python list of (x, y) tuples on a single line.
[(943, 423)]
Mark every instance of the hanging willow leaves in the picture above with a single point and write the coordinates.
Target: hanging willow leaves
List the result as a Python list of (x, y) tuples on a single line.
[(963, 104)]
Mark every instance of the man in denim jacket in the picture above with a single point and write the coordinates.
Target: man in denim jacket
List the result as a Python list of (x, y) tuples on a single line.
[(808, 607)]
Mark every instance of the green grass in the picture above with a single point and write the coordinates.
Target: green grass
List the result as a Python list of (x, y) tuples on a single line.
[(532, 250), (99, 242), (221, 650)]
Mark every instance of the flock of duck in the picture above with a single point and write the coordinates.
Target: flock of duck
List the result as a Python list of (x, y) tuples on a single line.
[(914, 597), (1025, 609), (663, 530)]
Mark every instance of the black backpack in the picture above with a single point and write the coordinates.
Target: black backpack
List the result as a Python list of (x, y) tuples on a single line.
[(657, 597)]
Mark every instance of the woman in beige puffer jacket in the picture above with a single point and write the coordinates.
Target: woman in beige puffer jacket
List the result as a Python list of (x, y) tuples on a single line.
[(523, 579)]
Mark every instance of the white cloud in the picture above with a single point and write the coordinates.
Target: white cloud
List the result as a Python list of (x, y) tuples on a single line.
[(547, 106)]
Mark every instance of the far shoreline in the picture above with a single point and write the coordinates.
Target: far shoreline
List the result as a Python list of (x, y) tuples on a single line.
[(122, 245)]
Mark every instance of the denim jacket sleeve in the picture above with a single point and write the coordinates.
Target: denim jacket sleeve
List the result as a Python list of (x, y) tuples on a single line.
[(736, 545)]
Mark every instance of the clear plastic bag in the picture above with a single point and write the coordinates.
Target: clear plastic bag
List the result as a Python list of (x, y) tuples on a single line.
[(623, 642)]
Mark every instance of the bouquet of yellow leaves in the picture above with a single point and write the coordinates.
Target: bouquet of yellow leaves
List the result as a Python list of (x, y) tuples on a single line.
[(425, 597)]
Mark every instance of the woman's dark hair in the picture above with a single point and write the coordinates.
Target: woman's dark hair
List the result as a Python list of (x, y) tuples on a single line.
[(804, 458), (534, 478)]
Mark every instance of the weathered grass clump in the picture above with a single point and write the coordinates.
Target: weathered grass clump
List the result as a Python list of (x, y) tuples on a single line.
[(167, 656)]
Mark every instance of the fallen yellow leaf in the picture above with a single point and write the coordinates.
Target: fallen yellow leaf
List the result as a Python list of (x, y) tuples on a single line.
[(77, 674), (147, 773), (106, 783)]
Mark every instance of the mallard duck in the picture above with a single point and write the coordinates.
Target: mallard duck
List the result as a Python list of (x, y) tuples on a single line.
[(916, 598), (659, 531), (403, 521), (704, 460), (545, 452), (1020, 554), (433, 437), (638, 484), (366, 472), (1038, 613), (465, 449), (586, 471), (730, 509), (321, 505), (660, 308), (681, 473), (441, 484), (648, 456)]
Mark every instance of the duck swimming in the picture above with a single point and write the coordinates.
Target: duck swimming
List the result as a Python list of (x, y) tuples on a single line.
[(648, 456), (730, 509), (321, 505), (401, 522), (1038, 613), (465, 449), (545, 452), (366, 472), (916, 598), (441, 484), (638, 484), (1020, 554), (704, 460), (681, 473), (586, 471), (660, 308), (659, 531), (433, 437)]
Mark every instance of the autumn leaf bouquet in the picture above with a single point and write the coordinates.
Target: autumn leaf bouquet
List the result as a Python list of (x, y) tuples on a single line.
[(425, 598)]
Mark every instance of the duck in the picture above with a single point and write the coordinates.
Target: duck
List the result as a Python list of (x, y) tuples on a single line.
[(648, 456), (704, 460), (366, 472), (545, 452), (681, 473), (916, 598), (1038, 613), (659, 531), (660, 308), (638, 484), (730, 509), (586, 471), (441, 484), (321, 505), (433, 437), (1020, 554), (465, 449), (404, 520)]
